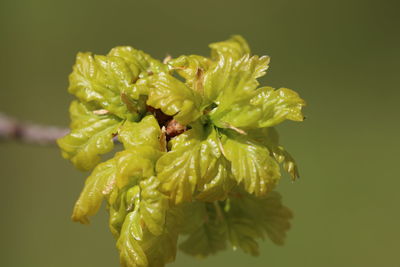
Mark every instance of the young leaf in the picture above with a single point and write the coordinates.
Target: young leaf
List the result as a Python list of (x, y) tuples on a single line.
[(265, 107), (208, 236), (140, 63), (229, 80), (150, 250), (98, 184), (95, 137), (243, 233), (194, 162), (236, 46), (138, 161), (82, 114), (270, 138), (145, 132), (103, 80), (265, 216), (174, 98), (153, 205), (192, 69), (251, 164), (131, 251)]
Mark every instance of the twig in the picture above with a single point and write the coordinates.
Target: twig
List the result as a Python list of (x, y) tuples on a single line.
[(12, 129)]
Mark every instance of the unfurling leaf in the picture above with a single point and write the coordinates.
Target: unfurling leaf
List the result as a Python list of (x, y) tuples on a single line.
[(149, 250), (252, 164), (270, 138), (265, 107), (102, 80), (91, 136), (192, 69), (145, 132), (100, 183), (195, 163), (174, 98), (236, 47)]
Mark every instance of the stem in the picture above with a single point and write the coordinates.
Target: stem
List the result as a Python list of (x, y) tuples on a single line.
[(12, 129)]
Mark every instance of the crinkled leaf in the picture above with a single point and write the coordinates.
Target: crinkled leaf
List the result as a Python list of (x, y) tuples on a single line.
[(103, 80), (270, 138), (153, 205), (243, 233), (95, 137), (98, 184), (174, 98), (208, 233), (151, 250), (236, 47), (192, 68), (82, 114), (267, 216), (194, 162), (229, 80), (120, 203), (145, 132), (131, 252), (265, 107), (251, 164), (140, 63), (137, 161)]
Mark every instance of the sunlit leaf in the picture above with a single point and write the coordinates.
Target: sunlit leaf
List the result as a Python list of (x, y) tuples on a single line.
[(192, 68), (252, 164), (140, 63), (153, 205), (95, 137), (265, 107), (174, 98), (236, 47), (145, 132), (270, 138), (138, 161), (149, 250), (229, 80), (103, 80), (98, 184), (195, 162)]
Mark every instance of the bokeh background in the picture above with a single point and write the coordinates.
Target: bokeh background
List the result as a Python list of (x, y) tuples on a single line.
[(341, 56)]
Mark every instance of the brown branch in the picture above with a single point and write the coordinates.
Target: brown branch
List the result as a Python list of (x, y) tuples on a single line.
[(12, 129)]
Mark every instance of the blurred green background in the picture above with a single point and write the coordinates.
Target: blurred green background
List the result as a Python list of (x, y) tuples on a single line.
[(341, 56)]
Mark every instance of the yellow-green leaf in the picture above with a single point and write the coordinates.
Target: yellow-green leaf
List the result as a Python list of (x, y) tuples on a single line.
[(195, 162), (236, 47), (95, 137), (103, 80), (139, 62), (251, 164), (265, 107), (145, 132), (137, 161), (153, 205), (228, 80), (100, 183), (174, 98), (270, 138)]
